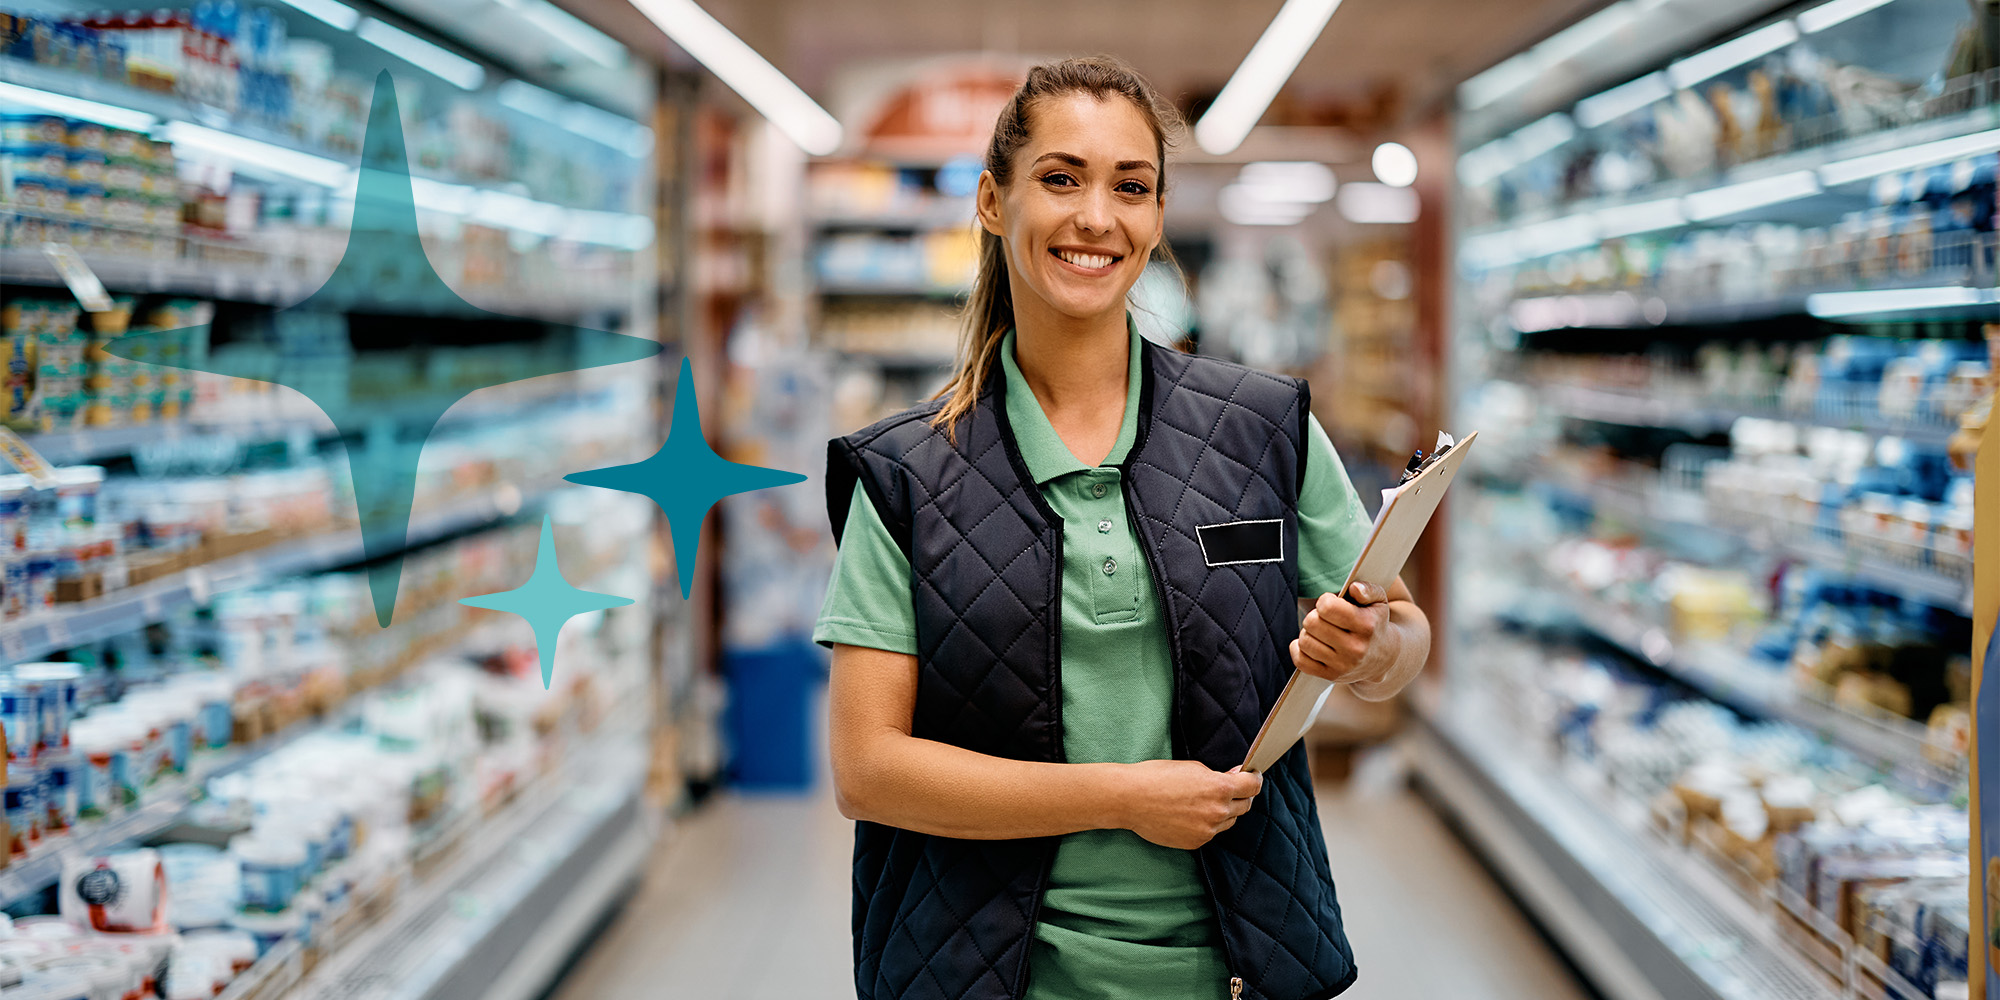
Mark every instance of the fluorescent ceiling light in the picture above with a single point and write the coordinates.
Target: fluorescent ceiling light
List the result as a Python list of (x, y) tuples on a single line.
[(332, 12), (1830, 304), (570, 30), (430, 57), (1394, 164), (1730, 199), (1377, 204), (263, 155), (71, 107), (1733, 53), (1245, 205), (1288, 181), (596, 124), (1622, 100), (1827, 15), (1861, 168), (1640, 217), (774, 95), (1265, 69)]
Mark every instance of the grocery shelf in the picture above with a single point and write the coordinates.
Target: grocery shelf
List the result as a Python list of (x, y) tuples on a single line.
[(1577, 224), (277, 279), (1690, 511), (1766, 690), (1636, 408), (1641, 922), (122, 610), (944, 215), (516, 897)]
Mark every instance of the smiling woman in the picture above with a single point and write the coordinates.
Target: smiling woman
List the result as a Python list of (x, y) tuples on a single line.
[(1043, 682)]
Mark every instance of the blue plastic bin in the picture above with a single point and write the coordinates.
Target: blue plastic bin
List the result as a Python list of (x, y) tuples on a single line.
[(768, 715)]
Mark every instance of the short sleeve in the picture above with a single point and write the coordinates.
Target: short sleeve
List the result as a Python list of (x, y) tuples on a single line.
[(868, 600), (1333, 526)]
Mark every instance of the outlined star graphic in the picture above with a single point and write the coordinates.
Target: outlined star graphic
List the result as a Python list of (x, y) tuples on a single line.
[(393, 304), (685, 477), (547, 601)]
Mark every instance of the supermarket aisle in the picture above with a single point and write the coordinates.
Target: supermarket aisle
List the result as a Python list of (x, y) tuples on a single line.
[(749, 901)]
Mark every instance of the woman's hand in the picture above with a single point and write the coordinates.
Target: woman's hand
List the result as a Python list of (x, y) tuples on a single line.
[(1183, 804), (1345, 639)]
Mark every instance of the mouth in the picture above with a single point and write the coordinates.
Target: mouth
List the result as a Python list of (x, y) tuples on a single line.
[(1086, 262)]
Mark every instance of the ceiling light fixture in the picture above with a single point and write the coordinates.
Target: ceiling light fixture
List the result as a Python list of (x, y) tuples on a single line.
[(1732, 53), (1377, 204), (1394, 164), (1300, 181), (773, 94), (570, 30), (428, 56), (1264, 70), (72, 107)]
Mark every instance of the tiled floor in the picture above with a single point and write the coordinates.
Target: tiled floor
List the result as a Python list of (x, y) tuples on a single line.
[(748, 900)]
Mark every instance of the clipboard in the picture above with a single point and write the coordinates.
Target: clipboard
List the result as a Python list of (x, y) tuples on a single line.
[(1405, 511)]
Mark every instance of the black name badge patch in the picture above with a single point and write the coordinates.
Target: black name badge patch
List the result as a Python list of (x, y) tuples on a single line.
[(1238, 542)]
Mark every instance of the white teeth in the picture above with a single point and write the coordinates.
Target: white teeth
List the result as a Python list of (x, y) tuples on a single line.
[(1090, 260)]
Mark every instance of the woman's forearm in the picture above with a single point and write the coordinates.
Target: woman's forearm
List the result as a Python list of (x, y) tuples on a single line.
[(931, 787), (1411, 631)]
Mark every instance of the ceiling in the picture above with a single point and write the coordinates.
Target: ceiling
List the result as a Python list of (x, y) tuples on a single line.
[(1420, 48)]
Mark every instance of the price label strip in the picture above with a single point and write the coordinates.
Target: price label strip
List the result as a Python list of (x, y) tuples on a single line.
[(82, 281)]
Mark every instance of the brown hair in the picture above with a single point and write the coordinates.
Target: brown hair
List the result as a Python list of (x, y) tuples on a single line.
[(989, 312)]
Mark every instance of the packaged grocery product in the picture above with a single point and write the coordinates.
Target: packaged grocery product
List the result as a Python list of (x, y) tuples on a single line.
[(125, 892)]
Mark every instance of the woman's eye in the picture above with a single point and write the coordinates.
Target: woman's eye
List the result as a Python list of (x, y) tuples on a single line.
[(1133, 187), (1058, 178)]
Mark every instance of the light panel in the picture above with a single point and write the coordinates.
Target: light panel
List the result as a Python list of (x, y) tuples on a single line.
[(773, 94), (1264, 70)]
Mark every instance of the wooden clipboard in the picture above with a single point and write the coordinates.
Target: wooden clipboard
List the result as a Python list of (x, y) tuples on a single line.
[(1401, 521)]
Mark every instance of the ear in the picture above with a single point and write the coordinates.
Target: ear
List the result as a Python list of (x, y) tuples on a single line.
[(987, 204)]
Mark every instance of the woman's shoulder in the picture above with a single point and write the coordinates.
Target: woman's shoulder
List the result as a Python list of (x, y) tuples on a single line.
[(903, 428), (1216, 377)]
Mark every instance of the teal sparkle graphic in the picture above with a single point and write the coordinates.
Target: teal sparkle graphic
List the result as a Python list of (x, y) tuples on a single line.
[(547, 601), (685, 477), (385, 347)]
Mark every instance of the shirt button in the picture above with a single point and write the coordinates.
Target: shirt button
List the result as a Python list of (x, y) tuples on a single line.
[(1104, 526), (1110, 566), (1097, 490)]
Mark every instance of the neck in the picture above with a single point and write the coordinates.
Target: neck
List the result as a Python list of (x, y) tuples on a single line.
[(1073, 364)]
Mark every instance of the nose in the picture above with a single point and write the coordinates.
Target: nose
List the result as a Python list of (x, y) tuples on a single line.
[(1093, 212)]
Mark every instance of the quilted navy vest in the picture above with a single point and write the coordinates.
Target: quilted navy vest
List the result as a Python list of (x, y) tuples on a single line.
[(936, 918)]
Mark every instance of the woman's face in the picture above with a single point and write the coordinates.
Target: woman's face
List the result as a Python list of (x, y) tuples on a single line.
[(1083, 211)]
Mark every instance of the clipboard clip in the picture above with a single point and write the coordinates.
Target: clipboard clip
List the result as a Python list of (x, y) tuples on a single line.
[(1420, 461)]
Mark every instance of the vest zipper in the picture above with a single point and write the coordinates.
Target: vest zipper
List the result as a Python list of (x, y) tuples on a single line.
[(1179, 735)]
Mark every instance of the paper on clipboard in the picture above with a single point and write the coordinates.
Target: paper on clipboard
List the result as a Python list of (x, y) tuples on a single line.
[(1405, 511)]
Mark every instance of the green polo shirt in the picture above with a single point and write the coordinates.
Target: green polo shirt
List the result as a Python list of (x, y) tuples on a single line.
[(1123, 918)]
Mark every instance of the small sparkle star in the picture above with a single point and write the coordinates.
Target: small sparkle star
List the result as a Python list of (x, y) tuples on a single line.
[(547, 601), (685, 477)]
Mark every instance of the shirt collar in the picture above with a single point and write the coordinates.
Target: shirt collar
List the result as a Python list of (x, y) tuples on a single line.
[(1041, 447)]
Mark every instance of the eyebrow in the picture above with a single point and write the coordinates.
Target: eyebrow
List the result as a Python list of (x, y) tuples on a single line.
[(1077, 161)]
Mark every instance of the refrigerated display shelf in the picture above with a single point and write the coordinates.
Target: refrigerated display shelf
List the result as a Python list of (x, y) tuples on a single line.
[(1844, 156), (1634, 408), (163, 803), (1642, 923), (1899, 746), (1929, 583), (281, 280), (129, 608), (501, 915)]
